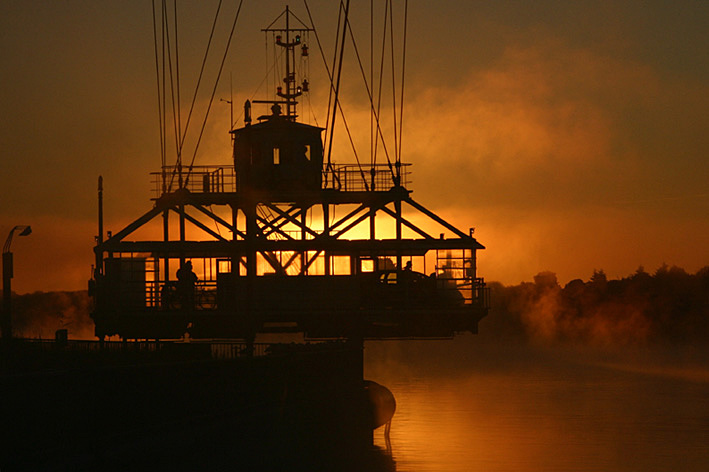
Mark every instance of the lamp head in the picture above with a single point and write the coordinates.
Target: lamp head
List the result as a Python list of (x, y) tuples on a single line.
[(24, 231)]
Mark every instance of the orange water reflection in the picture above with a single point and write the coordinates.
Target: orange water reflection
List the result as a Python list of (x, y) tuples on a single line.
[(495, 408)]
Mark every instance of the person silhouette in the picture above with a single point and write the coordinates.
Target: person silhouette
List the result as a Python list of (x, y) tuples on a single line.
[(186, 280)]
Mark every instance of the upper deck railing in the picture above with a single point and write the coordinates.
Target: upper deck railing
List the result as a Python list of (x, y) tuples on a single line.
[(353, 178), (223, 179), (202, 179)]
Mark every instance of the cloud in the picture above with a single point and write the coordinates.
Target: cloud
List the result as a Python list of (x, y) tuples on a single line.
[(549, 153), (542, 122)]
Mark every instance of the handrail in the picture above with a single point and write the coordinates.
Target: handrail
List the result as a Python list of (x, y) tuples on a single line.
[(203, 179), (350, 178), (345, 178)]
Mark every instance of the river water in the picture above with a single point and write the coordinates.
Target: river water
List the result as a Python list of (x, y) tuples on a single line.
[(477, 404)]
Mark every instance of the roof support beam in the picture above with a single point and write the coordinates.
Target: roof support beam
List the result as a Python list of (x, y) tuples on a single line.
[(407, 223), (199, 224), (136, 224), (437, 219)]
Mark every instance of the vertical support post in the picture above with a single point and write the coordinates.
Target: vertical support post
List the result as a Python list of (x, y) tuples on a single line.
[(7, 272), (6, 296), (326, 232), (182, 232), (100, 210), (98, 268), (182, 223), (372, 226), (303, 254), (235, 258), (397, 206), (166, 238), (251, 231)]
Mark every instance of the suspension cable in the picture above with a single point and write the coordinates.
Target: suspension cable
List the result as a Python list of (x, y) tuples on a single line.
[(201, 72), (393, 80), (369, 94), (403, 75), (339, 76), (164, 78), (328, 165), (160, 116), (371, 81), (381, 81), (214, 90), (196, 90), (166, 38), (177, 78)]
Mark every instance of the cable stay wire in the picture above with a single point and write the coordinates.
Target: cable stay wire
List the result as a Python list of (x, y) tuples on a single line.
[(371, 81), (290, 12), (381, 86), (369, 94), (403, 78), (256, 90), (162, 73), (199, 81), (339, 76), (334, 90), (393, 87), (164, 84), (328, 166), (375, 110), (177, 78), (329, 73), (381, 76), (166, 42), (160, 115), (214, 90)]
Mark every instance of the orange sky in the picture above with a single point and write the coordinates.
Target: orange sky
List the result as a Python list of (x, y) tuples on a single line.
[(572, 138)]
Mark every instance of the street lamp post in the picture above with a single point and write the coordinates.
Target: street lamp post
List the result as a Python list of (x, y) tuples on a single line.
[(7, 272)]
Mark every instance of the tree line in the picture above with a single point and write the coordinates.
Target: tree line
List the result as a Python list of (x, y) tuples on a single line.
[(669, 305)]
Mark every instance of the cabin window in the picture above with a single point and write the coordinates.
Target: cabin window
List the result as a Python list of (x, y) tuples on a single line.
[(367, 265), (307, 151), (276, 156)]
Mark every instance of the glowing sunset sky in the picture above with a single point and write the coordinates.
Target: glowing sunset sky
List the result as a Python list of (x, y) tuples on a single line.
[(572, 135)]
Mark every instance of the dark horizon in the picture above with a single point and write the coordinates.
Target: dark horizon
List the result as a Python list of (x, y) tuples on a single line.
[(640, 308)]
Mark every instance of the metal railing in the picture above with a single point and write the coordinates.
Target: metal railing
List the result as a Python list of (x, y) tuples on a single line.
[(219, 179), (176, 350), (217, 350), (167, 296), (353, 178), (202, 179), (234, 350)]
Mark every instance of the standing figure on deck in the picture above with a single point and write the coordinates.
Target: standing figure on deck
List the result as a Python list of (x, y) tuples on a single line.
[(186, 280)]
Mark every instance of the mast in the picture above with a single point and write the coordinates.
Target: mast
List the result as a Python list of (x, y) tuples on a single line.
[(292, 90)]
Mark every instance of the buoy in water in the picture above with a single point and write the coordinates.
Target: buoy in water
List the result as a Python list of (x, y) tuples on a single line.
[(381, 403)]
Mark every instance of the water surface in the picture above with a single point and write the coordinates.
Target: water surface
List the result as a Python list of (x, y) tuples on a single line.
[(481, 404)]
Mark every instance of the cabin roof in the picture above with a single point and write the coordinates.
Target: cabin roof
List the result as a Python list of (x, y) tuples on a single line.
[(275, 123)]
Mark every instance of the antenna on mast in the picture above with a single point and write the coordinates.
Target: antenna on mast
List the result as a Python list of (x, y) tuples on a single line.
[(292, 89)]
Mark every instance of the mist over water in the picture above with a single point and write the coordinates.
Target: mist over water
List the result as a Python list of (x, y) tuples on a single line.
[(478, 403)]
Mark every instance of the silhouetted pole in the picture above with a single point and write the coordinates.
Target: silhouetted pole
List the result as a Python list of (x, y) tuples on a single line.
[(7, 272), (6, 295)]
